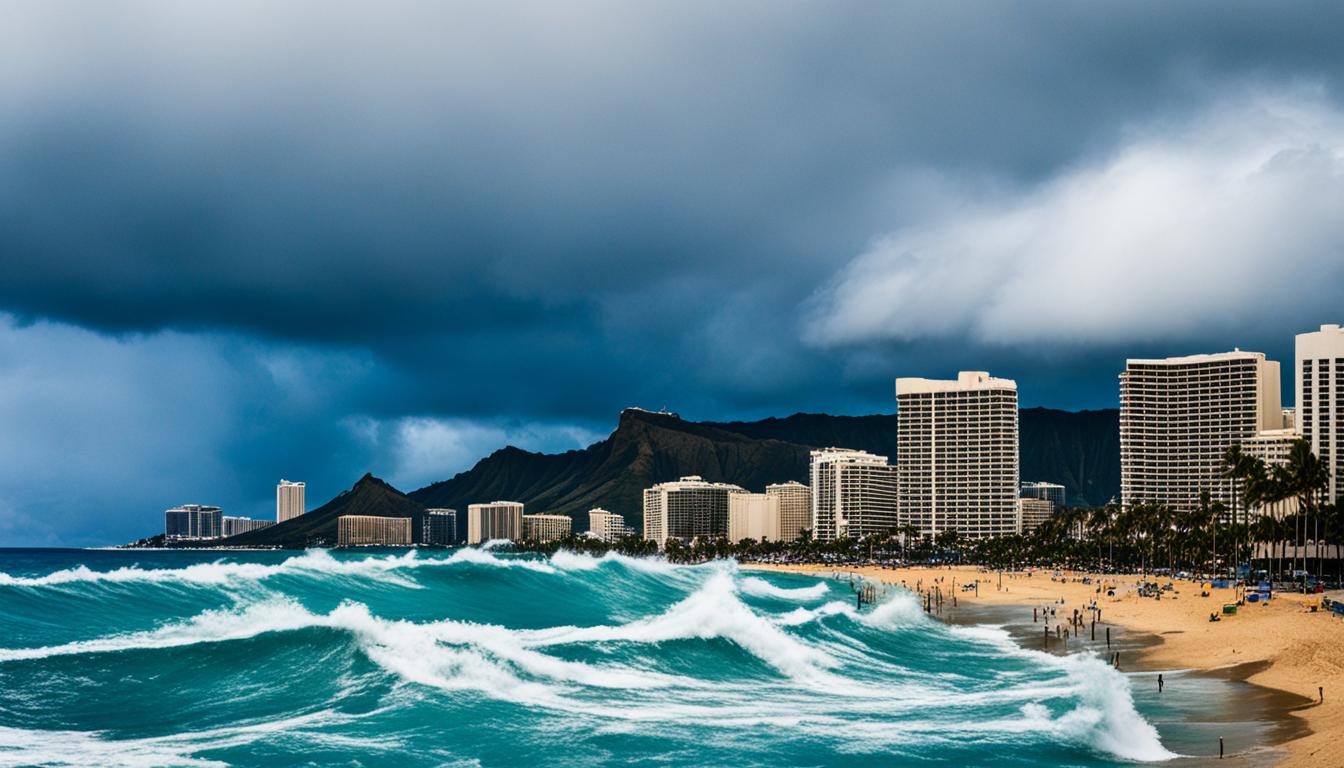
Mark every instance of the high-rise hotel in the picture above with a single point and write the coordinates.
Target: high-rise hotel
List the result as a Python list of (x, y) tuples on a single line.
[(1179, 415), (795, 508), (957, 450), (545, 528), (496, 520), (607, 526), (687, 509), (1320, 398), (854, 494), (288, 500)]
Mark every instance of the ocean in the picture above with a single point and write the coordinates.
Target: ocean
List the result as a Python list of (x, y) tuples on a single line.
[(478, 657)]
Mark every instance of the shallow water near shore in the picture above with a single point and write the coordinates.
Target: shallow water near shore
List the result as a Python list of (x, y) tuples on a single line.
[(1193, 709), (469, 657)]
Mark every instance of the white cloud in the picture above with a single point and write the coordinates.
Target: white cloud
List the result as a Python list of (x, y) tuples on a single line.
[(1222, 222)]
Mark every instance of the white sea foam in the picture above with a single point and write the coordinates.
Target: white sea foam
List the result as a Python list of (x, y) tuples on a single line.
[(800, 616), (759, 587), (314, 563), (566, 560), (215, 626), (486, 557), (828, 688), (1104, 717), (27, 747), (713, 611), (446, 654)]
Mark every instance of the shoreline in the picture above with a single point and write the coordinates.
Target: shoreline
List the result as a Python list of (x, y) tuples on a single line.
[(1280, 651)]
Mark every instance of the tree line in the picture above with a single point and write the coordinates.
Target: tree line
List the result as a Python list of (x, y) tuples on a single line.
[(1275, 510)]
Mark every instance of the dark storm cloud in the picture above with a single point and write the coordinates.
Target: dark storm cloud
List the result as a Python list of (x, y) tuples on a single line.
[(328, 174), (395, 237)]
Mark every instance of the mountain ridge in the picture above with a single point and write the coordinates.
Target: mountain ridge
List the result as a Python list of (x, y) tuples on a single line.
[(1079, 450)]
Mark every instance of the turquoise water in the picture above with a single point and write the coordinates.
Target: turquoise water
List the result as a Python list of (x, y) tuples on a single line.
[(473, 657)]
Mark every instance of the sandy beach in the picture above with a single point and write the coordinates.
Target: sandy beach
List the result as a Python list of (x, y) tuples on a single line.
[(1280, 646)]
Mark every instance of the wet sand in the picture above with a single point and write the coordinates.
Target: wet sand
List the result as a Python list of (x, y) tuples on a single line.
[(1257, 671)]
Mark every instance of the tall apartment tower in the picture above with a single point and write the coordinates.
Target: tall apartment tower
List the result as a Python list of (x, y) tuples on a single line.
[(1320, 398), (288, 501), (957, 449), (687, 509), (439, 527), (854, 494), (1178, 415), (496, 520), (795, 508)]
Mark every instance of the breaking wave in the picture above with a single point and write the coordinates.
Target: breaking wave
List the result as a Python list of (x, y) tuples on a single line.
[(708, 662), (314, 563)]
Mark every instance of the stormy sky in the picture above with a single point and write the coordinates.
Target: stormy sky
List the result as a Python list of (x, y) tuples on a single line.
[(309, 240)]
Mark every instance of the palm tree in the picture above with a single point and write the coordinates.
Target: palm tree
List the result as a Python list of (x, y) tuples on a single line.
[(1239, 467), (1304, 476)]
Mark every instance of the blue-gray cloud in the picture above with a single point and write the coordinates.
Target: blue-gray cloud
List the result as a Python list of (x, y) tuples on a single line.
[(467, 224)]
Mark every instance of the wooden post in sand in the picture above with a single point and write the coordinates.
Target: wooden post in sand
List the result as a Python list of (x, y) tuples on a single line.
[(1046, 639), (1108, 637), (1220, 747), (1094, 630)]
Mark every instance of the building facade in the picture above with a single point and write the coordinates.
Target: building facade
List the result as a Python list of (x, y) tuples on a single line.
[(544, 528), (496, 520), (753, 516), (1032, 512), (1319, 373), (795, 508), (854, 494), (372, 530), (193, 521), (232, 526), (607, 526), (439, 527), (687, 509), (1051, 492), (288, 501), (957, 444), (1179, 415)]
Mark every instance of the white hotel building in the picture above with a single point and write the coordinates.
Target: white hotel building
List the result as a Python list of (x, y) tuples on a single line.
[(1319, 373), (544, 528), (795, 508), (607, 526), (957, 444), (753, 516), (1178, 415), (854, 494), (496, 520), (288, 501)]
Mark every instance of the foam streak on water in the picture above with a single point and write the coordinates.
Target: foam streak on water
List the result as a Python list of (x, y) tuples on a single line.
[(483, 657)]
